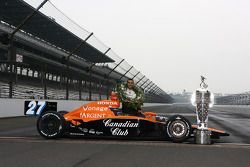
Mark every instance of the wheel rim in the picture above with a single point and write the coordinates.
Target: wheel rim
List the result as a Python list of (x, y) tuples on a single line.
[(178, 129), (50, 125)]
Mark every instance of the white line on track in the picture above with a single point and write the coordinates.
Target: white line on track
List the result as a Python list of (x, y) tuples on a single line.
[(122, 142)]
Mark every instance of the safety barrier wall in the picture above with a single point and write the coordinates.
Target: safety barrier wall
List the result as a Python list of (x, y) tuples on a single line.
[(235, 99), (232, 108), (15, 107)]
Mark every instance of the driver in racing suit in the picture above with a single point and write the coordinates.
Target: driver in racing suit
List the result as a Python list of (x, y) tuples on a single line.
[(131, 98)]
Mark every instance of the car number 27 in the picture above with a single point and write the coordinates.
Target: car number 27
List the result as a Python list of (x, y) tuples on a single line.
[(35, 107)]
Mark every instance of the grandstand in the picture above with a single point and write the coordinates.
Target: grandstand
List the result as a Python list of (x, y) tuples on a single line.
[(45, 55), (234, 99)]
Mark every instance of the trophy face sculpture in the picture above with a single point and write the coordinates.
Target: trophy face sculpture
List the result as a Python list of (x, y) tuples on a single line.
[(202, 99)]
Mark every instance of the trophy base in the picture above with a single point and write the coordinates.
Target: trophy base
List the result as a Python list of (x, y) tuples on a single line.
[(203, 137)]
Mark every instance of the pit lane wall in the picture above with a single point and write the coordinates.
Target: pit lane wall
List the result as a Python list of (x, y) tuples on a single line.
[(15, 107)]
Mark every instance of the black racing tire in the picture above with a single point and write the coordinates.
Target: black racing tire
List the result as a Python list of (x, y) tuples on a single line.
[(178, 128), (63, 112), (51, 125)]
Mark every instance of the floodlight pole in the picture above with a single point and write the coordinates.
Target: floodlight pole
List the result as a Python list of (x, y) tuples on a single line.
[(68, 58), (107, 81), (125, 73)]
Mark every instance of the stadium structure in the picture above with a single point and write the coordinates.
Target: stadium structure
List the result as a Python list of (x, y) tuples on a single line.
[(46, 55), (234, 99)]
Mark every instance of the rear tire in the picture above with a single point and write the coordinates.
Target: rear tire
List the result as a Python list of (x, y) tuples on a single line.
[(51, 125), (178, 128)]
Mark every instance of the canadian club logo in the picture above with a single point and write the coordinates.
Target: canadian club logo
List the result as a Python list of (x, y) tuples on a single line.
[(127, 124), (119, 132), (119, 128)]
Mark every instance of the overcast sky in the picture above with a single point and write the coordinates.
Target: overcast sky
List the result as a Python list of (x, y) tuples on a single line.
[(173, 42)]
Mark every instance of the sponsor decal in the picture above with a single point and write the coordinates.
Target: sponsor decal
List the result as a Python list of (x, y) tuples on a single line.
[(85, 130), (91, 115), (89, 108), (107, 103), (119, 132), (38, 107), (72, 126), (127, 124), (98, 133), (77, 134), (91, 131)]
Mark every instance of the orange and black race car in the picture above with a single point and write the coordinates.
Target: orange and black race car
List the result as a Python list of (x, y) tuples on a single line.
[(105, 119)]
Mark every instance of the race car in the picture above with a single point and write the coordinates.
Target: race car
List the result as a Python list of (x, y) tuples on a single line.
[(104, 118)]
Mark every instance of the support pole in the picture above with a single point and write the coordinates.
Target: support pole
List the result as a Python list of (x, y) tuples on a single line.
[(140, 80), (90, 85), (27, 19), (125, 73), (11, 52), (148, 85), (107, 80), (80, 89), (89, 70), (136, 74), (11, 59), (44, 82), (67, 63), (154, 89), (115, 67), (144, 83)]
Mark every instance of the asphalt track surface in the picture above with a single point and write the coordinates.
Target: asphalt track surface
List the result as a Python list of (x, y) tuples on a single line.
[(21, 145)]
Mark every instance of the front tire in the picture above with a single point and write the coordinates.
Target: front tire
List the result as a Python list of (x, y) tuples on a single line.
[(51, 125), (178, 128)]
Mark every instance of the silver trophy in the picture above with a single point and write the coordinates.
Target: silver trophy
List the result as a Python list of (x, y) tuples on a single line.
[(202, 99)]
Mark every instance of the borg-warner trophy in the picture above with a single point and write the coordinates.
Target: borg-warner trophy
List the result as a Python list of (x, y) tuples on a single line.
[(202, 99)]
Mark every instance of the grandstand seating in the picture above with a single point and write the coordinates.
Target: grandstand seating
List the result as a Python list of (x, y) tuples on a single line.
[(234, 99), (39, 64)]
